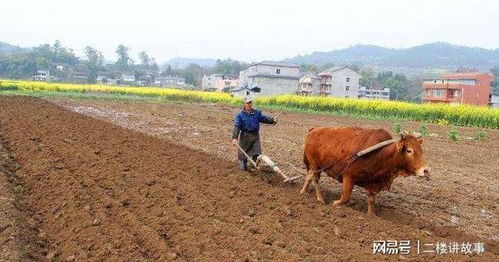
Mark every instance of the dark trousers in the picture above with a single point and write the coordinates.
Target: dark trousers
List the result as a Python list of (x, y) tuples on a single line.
[(250, 143)]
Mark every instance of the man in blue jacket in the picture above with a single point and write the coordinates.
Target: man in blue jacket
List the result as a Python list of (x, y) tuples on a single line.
[(246, 128)]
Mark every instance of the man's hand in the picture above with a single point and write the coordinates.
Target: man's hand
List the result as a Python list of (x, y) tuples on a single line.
[(275, 120), (234, 141)]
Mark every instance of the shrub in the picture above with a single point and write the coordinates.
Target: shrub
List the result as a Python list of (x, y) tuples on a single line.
[(453, 135), (480, 136), (397, 128), (423, 130)]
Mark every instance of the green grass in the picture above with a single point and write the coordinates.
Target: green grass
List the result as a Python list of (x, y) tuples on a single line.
[(423, 130), (480, 136), (397, 128), (83, 96), (453, 135)]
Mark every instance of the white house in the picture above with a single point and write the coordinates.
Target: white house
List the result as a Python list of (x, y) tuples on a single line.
[(340, 81), (128, 78), (169, 81), (42, 75), (382, 94), (494, 101), (274, 78)]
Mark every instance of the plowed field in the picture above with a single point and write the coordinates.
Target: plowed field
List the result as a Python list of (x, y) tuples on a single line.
[(157, 182)]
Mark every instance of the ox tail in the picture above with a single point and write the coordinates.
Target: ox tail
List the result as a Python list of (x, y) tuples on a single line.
[(305, 161)]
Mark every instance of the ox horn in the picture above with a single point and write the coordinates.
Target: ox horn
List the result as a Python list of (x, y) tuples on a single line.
[(417, 135), (403, 135)]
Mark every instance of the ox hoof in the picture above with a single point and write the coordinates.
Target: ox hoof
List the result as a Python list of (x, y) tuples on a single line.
[(337, 203), (321, 200), (371, 213), (302, 191)]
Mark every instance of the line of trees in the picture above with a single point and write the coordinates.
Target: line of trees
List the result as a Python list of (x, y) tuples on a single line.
[(24, 63), (193, 73), (401, 87)]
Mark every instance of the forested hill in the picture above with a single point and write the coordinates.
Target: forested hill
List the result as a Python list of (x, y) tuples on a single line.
[(433, 55), (8, 49)]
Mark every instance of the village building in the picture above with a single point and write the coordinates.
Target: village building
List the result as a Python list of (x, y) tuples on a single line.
[(307, 84), (472, 88), (128, 78), (169, 81), (274, 78), (41, 75), (219, 82), (340, 81), (380, 94), (494, 101)]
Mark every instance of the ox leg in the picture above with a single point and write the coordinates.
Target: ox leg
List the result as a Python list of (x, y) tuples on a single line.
[(308, 179), (370, 204), (345, 191), (318, 189)]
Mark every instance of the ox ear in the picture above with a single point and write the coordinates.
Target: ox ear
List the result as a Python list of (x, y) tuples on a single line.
[(403, 136), (418, 136)]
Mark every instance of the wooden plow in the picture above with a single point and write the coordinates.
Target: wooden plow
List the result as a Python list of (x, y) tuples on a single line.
[(264, 160)]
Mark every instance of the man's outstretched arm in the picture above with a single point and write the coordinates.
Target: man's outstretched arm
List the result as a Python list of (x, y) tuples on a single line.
[(267, 119)]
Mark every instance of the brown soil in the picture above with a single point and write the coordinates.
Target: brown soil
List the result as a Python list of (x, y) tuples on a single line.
[(18, 235), (462, 195), (101, 192)]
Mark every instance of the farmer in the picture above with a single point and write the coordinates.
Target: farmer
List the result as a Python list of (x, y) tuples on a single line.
[(246, 127)]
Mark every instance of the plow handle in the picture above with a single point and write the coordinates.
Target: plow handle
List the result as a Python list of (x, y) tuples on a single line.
[(248, 157)]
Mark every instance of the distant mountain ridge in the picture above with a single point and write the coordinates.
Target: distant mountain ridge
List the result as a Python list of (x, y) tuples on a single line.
[(432, 55), (8, 49)]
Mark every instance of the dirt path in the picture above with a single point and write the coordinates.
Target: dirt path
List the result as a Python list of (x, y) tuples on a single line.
[(99, 191)]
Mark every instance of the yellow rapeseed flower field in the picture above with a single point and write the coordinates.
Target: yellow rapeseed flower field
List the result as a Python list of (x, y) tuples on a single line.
[(167, 93), (465, 115)]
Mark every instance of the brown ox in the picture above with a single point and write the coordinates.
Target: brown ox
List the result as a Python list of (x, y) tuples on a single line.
[(331, 150)]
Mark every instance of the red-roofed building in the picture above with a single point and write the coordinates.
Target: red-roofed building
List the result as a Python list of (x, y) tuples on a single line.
[(467, 87)]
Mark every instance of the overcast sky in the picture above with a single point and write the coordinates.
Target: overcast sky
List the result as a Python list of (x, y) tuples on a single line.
[(248, 30)]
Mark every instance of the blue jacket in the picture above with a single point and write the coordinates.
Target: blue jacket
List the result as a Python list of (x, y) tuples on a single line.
[(250, 122)]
